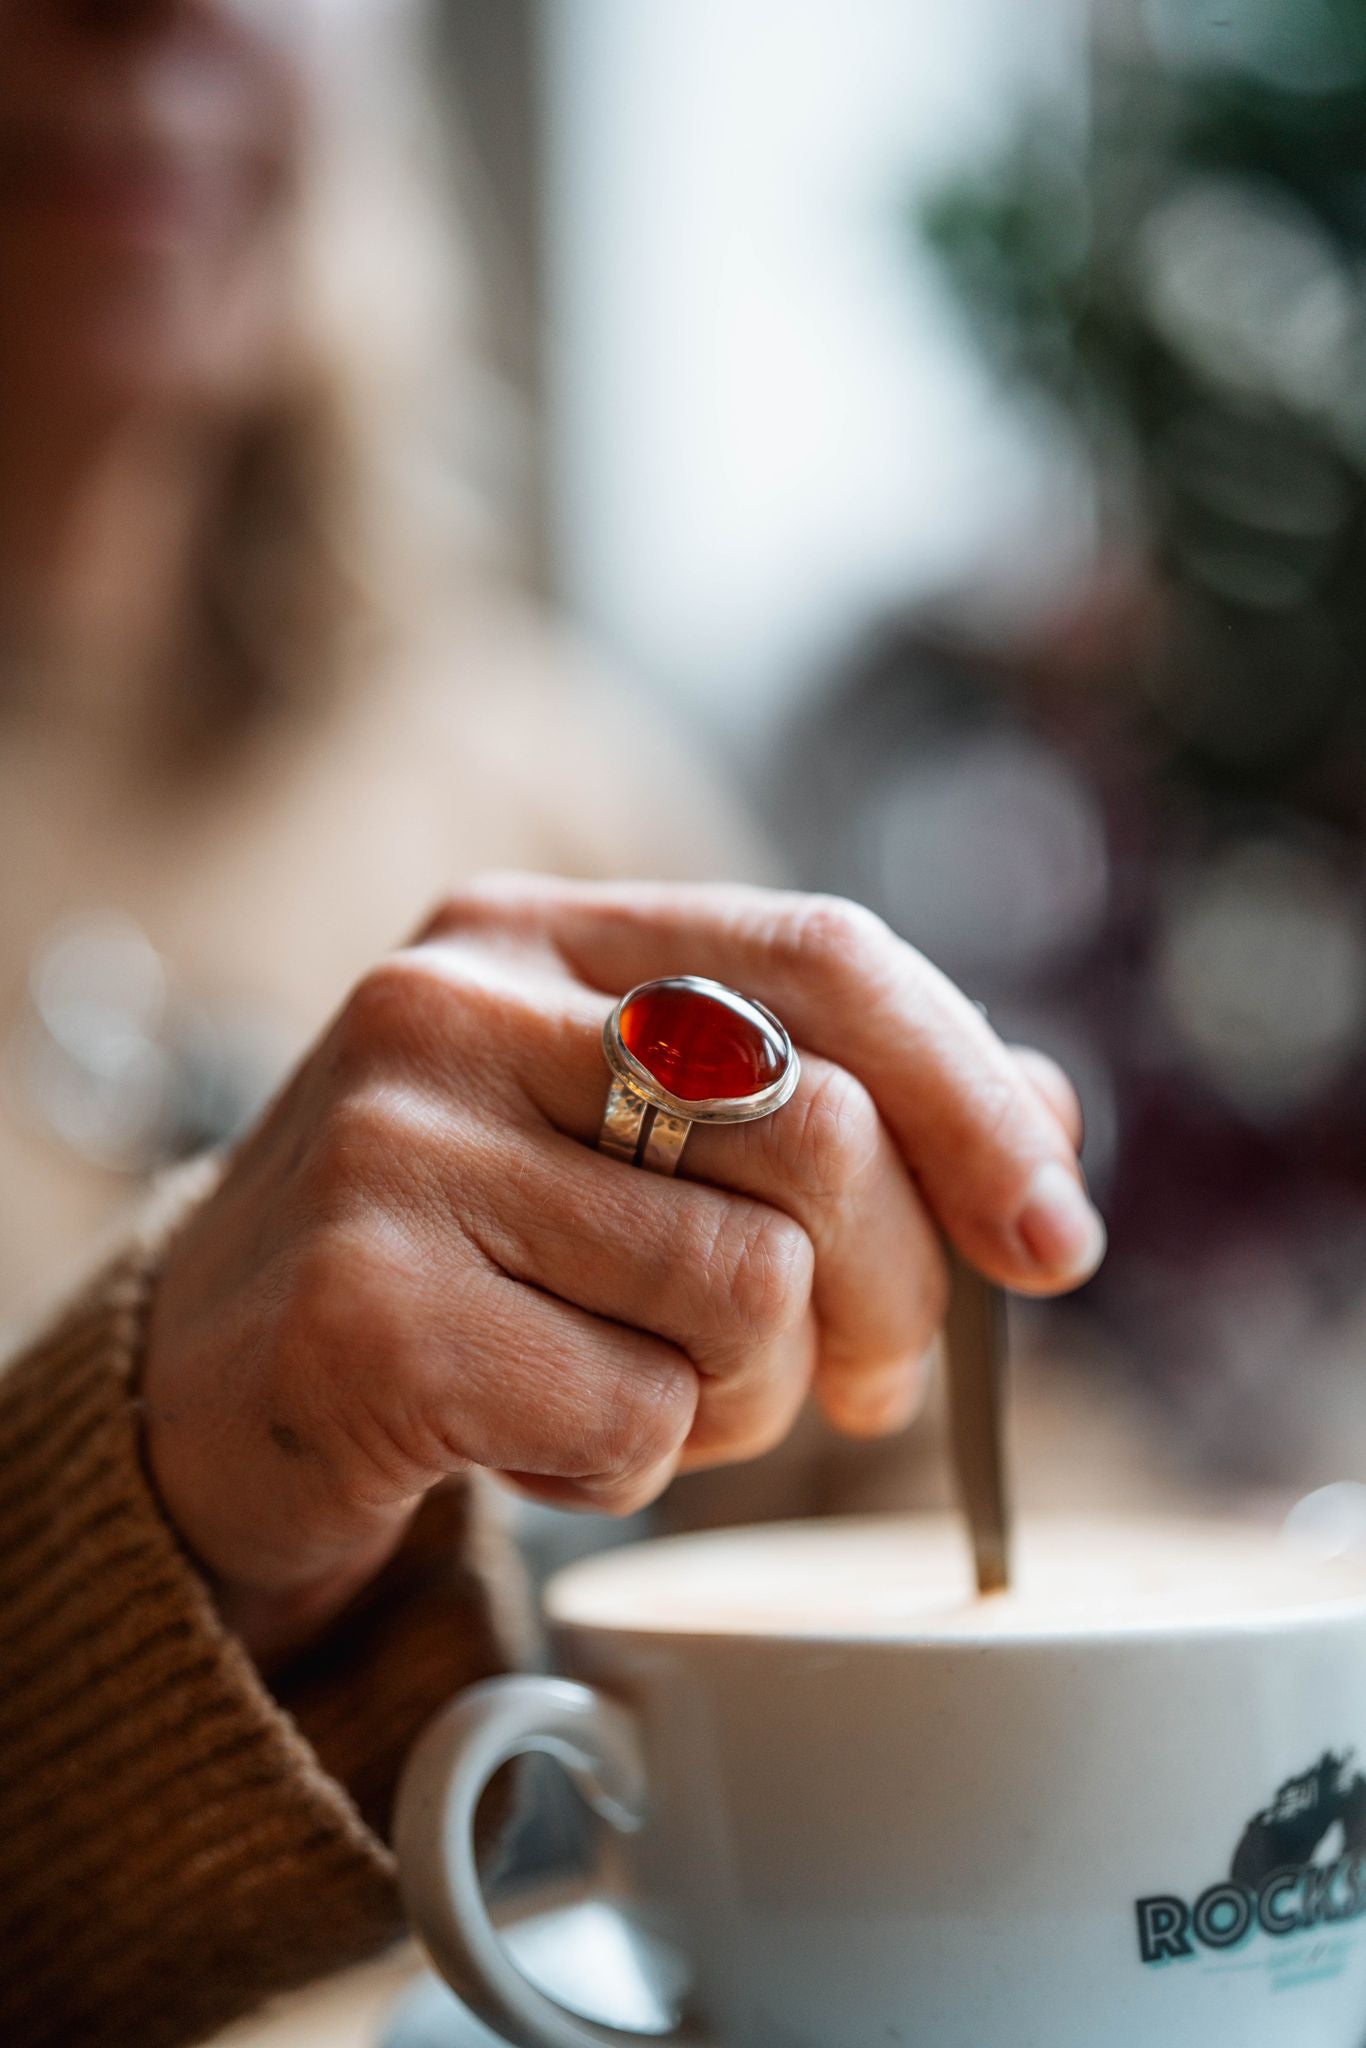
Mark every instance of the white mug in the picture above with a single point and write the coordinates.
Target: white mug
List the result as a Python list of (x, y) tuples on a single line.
[(1116, 1810)]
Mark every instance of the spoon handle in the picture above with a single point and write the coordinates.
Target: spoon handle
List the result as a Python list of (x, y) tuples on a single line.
[(975, 1352)]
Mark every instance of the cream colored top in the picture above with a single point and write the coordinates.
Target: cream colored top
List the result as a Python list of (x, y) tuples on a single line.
[(320, 845)]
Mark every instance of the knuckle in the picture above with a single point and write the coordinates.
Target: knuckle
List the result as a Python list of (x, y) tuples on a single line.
[(727, 1435), (644, 1424), (355, 1154), (350, 1358), (764, 1433), (496, 899), (426, 1009), (1054, 1082), (622, 1497), (833, 938), (457, 910), (835, 1136), (994, 1111), (379, 1014), (769, 1272), (764, 1437), (462, 910), (343, 1309)]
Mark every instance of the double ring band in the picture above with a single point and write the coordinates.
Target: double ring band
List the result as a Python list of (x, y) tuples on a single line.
[(688, 1051)]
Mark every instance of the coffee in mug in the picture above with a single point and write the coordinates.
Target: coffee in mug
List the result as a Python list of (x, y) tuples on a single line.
[(1116, 1806)]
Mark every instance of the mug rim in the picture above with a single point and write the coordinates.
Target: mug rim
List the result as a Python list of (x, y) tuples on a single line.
[(1337, 1610)]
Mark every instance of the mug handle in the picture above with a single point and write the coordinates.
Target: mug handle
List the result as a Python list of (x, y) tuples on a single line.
[(595, 1741)]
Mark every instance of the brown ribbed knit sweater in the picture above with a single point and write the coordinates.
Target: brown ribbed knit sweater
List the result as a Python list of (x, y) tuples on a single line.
[(178, 1840)]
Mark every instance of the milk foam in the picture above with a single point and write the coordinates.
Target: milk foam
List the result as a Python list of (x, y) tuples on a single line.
[(909, 1579)]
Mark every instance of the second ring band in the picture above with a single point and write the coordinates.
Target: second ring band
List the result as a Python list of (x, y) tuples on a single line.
[(636, 1130)]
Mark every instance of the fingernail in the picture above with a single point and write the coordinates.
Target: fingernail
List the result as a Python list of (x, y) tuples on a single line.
[(1062, 1232)]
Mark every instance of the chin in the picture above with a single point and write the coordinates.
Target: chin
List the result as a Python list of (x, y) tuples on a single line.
[(116, 335), (130, 358)]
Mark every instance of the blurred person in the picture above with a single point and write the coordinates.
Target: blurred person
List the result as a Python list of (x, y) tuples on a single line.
[(258, 706), (265, 681)]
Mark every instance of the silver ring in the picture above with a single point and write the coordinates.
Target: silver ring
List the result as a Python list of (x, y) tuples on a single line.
[(667, 1040)]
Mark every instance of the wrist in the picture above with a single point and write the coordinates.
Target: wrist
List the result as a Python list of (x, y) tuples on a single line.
[(276, 1624), (280, 1564)]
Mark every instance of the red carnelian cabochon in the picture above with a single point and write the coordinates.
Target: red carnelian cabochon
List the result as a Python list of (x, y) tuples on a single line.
[(700, 1046)]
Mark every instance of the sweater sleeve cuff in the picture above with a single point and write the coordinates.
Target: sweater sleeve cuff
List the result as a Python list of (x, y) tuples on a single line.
[(173, 1847)]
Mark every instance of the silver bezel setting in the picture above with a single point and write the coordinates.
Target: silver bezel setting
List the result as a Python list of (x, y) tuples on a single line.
[(720, 1109)]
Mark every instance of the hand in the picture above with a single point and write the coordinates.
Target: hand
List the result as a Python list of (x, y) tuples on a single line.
[(416, 1264)]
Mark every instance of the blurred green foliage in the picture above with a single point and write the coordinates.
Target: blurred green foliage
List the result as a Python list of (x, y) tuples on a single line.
[(1184, 281)]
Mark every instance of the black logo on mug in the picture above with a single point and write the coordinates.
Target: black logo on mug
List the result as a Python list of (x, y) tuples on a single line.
[(1301, 1864)]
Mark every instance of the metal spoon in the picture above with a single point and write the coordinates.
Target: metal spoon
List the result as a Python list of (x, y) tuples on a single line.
[(975, 1353)]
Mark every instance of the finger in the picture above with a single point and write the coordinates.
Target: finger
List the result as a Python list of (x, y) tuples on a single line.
[(881, 1278), (540, 1387), (991, 1157), (1049, 1081), (724, 1279), (825, 1160), (505, 1027)]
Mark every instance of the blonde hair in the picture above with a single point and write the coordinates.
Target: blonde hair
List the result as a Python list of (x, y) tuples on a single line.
[(349, 499)]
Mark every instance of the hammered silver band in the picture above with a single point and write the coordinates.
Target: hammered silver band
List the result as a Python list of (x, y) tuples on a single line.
[(640, 1132)]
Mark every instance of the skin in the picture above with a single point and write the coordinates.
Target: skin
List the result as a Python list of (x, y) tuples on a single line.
[(416, 1264), (151, 153)]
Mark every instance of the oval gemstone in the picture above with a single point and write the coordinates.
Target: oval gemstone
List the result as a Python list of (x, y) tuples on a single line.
[(700, 1046)]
